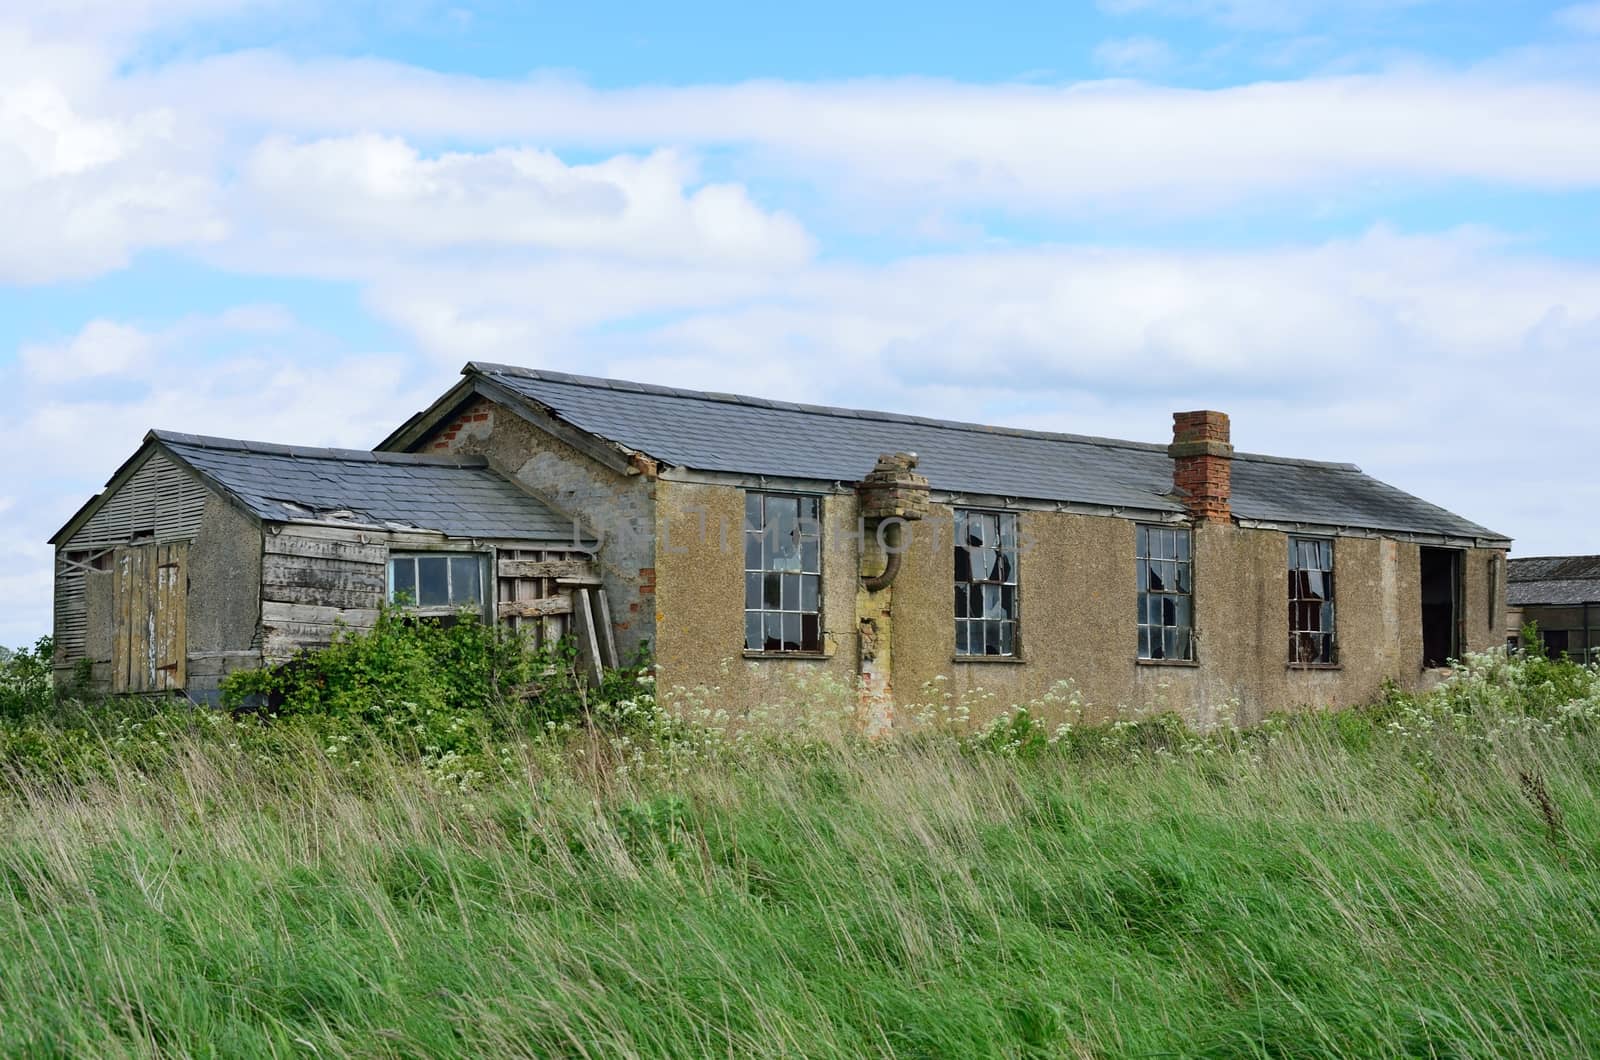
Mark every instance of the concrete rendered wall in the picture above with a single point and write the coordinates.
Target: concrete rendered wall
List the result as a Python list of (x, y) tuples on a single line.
[(700, 604), (1078, 600), (618, 507)]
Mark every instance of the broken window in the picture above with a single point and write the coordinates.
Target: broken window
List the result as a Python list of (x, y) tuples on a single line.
[(782, 573), (1166, 592), (1311, 616), (987, 609), (436, 580)]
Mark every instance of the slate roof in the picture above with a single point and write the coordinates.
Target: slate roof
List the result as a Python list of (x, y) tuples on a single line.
[(756, 436), (1561, 581), (457, 496)]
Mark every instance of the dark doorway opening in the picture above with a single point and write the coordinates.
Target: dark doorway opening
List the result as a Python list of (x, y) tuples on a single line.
[(1441, 606), (1557, 642)]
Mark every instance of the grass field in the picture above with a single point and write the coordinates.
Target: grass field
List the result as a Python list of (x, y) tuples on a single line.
[(1417, 879)]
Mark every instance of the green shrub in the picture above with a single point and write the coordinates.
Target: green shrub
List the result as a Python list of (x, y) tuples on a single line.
[(26, 680)]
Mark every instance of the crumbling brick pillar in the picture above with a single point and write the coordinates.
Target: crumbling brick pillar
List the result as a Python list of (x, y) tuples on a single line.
[(1202, 464), (892, 495)]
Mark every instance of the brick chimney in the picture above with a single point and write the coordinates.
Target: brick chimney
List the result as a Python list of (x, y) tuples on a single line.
[(1202, 463)]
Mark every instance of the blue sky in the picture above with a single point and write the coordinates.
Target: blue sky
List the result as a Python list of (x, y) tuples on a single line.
[(1368, 229)]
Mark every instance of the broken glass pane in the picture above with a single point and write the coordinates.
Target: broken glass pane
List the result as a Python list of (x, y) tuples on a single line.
[(1155, 584), (1008, 601), (791, 592), (963, 564), (991, 602), (1008, 638), (961, 638), (752, 631), (811, 555), (791, 632), (772, 594), (752, 511), (961, 601), (774, 637), (752, 550), (810, 633)]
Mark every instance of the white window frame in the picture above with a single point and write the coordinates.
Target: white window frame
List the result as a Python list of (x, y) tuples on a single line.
[(454, 607)]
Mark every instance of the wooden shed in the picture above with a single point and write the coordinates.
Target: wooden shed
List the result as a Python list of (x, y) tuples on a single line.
[(207, 555)]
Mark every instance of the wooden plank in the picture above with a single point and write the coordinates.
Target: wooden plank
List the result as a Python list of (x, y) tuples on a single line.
[(607, 635), (343, 599), (545, 568), (161, 617), (320, 571), (178, 662), (294, 544), (549, 605), (589, 642), (274, 613), (120, 601), (152, 590), (138, 619)]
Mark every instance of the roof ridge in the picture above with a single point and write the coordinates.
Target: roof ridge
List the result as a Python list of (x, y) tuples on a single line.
[(311, 452), (627, 386)]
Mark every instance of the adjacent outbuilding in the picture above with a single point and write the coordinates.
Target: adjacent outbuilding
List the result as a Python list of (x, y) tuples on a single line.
[(206, 555), (1561, 595)]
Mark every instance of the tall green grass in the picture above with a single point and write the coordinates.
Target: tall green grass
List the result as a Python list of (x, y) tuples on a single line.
[(1421, 878)]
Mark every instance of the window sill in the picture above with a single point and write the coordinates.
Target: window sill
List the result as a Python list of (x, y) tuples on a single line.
[(1314, 666), (1182, 664), (787, 654), (988, 660)]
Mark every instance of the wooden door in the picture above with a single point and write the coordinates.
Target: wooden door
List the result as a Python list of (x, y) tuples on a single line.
[(150, 594)]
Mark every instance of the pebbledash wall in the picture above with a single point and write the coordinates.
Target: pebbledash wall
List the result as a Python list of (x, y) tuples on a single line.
[(672, 553), (1078, 596)]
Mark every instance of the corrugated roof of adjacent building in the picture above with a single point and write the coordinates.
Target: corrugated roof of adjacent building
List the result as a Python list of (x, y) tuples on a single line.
[(756, 436), (1559, 581), (456, 496)]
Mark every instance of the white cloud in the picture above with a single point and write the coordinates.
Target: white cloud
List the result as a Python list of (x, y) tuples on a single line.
[(85, 180), (1582, 18), (381, 190), (102, 348), (1074, 149), (1134, 55)]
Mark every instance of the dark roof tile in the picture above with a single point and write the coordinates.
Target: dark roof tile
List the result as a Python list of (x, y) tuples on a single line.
[(456, 496)]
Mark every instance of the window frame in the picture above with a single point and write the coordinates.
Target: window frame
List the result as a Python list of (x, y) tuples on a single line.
[(1328, 603), (452, 607), (1181, 595), (1008, 565), (808, 577)]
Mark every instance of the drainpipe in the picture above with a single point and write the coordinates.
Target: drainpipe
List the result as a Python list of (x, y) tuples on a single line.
[(891, 496)]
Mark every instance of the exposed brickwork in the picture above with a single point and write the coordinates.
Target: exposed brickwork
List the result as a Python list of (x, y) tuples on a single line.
[(476, 421), (647, 581), (894, 489), (1202, 463)]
